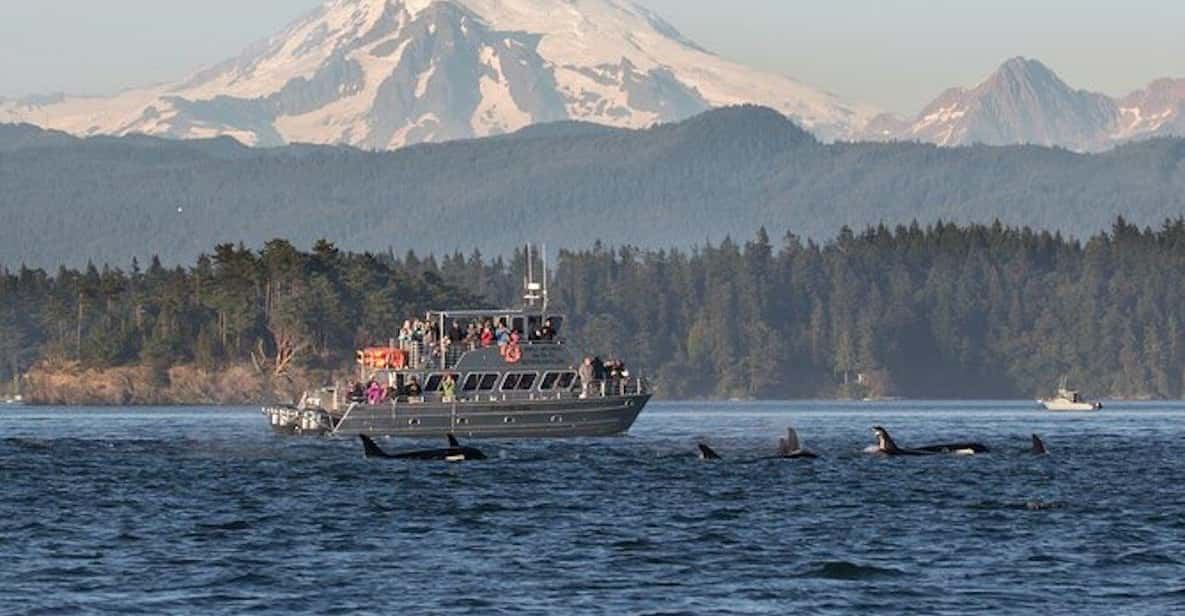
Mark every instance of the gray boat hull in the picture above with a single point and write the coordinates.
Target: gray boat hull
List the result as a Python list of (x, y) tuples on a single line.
[(542, 418)]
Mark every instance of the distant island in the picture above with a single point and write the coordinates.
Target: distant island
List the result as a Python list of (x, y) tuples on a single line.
[(937, 311)]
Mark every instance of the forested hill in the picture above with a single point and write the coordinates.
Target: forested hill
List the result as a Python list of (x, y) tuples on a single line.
[(944, 311), (728, 171)]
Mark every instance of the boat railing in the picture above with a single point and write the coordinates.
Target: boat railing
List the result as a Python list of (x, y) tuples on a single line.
[(421, 356), (610, 388)]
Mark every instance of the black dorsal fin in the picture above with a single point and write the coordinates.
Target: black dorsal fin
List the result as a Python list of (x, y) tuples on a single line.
[(706, 453), (884, 441), (371, 448), (452, 442), (1038, 446)]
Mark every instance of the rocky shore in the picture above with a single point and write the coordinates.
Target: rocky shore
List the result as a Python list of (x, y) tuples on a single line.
[(72, 384)]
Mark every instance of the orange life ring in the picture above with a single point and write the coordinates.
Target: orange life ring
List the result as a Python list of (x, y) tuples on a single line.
[(514, 353)]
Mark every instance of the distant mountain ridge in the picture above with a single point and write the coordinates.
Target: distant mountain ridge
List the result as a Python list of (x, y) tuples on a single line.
[(724, 172), (1024, 102), (382, 74)]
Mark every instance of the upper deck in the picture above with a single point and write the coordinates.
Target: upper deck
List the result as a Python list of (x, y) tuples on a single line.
[(445, 339)]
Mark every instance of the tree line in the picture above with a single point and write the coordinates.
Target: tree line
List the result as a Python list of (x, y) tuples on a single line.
[(945, 310)]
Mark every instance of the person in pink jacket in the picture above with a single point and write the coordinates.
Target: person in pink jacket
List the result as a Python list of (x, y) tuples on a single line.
[(374, 392)]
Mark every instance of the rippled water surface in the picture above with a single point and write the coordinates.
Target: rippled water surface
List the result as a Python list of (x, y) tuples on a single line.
[(204, 510)]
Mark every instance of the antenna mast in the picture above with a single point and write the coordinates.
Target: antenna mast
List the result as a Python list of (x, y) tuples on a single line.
[(544, 259), (533, 288)]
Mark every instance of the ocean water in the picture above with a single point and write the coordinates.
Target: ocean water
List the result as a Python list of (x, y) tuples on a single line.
[(196, 510)]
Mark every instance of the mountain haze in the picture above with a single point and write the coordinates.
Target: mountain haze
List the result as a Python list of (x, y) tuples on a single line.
[(724, 172), (380, 74), (1024, 102)]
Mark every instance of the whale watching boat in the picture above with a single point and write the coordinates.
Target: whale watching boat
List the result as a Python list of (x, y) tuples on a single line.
[(520, 385), (1068, 400)]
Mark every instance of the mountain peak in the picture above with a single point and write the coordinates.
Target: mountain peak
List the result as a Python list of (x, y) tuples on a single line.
[(382, 74), (1022, 101), (1023, 68)]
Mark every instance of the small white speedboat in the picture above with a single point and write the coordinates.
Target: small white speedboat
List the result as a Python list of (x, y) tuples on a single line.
[(1068, 400)]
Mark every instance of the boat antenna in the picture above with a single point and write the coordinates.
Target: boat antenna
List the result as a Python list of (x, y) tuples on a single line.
[(544, 260), (533, 287)]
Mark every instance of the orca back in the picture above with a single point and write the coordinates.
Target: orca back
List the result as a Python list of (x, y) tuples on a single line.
[(1038, 447)]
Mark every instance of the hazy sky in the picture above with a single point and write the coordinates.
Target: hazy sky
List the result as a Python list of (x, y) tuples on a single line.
[(894, 54)]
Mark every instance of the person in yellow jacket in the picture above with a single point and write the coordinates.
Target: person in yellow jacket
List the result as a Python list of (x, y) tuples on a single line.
[(448, 389)]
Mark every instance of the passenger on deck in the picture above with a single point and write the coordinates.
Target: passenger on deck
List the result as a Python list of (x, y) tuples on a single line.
[(455, 333), (472, 336), (413, 388), (547, 332), (448, 388), (598, 369), (391, 393), (487, 335), (586, 374), (357, 392), (502, 334), (374, 392)]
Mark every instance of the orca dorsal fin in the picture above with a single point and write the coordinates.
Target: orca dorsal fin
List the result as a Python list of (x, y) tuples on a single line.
[(884, 441), (371, 449), (1038, 446), (792, 443), (452, 442), (706, 453)]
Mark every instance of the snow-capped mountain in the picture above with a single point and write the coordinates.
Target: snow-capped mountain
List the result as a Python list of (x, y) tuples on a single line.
[(386, 73), (1156, 110), (1026, 102)]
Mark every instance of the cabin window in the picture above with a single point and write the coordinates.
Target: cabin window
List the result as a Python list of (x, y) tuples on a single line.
[(566, 380), (549, 380), (527, 381), (488, 381), (471, 382), (510, 382), (433, 382)]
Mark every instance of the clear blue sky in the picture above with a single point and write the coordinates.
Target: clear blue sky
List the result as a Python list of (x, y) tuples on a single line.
[(895, 54)]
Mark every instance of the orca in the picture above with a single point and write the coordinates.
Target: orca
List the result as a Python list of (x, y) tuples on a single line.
[(454, 453), (1038, 448), (706, 453), (885, 445), (789, 447)]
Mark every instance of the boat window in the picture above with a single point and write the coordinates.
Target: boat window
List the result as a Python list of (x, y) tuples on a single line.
[(433, 382), (488, 381), (471, 382), (510, 382), (527, 381), (549, 380), (566, 380), (517, 323)]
